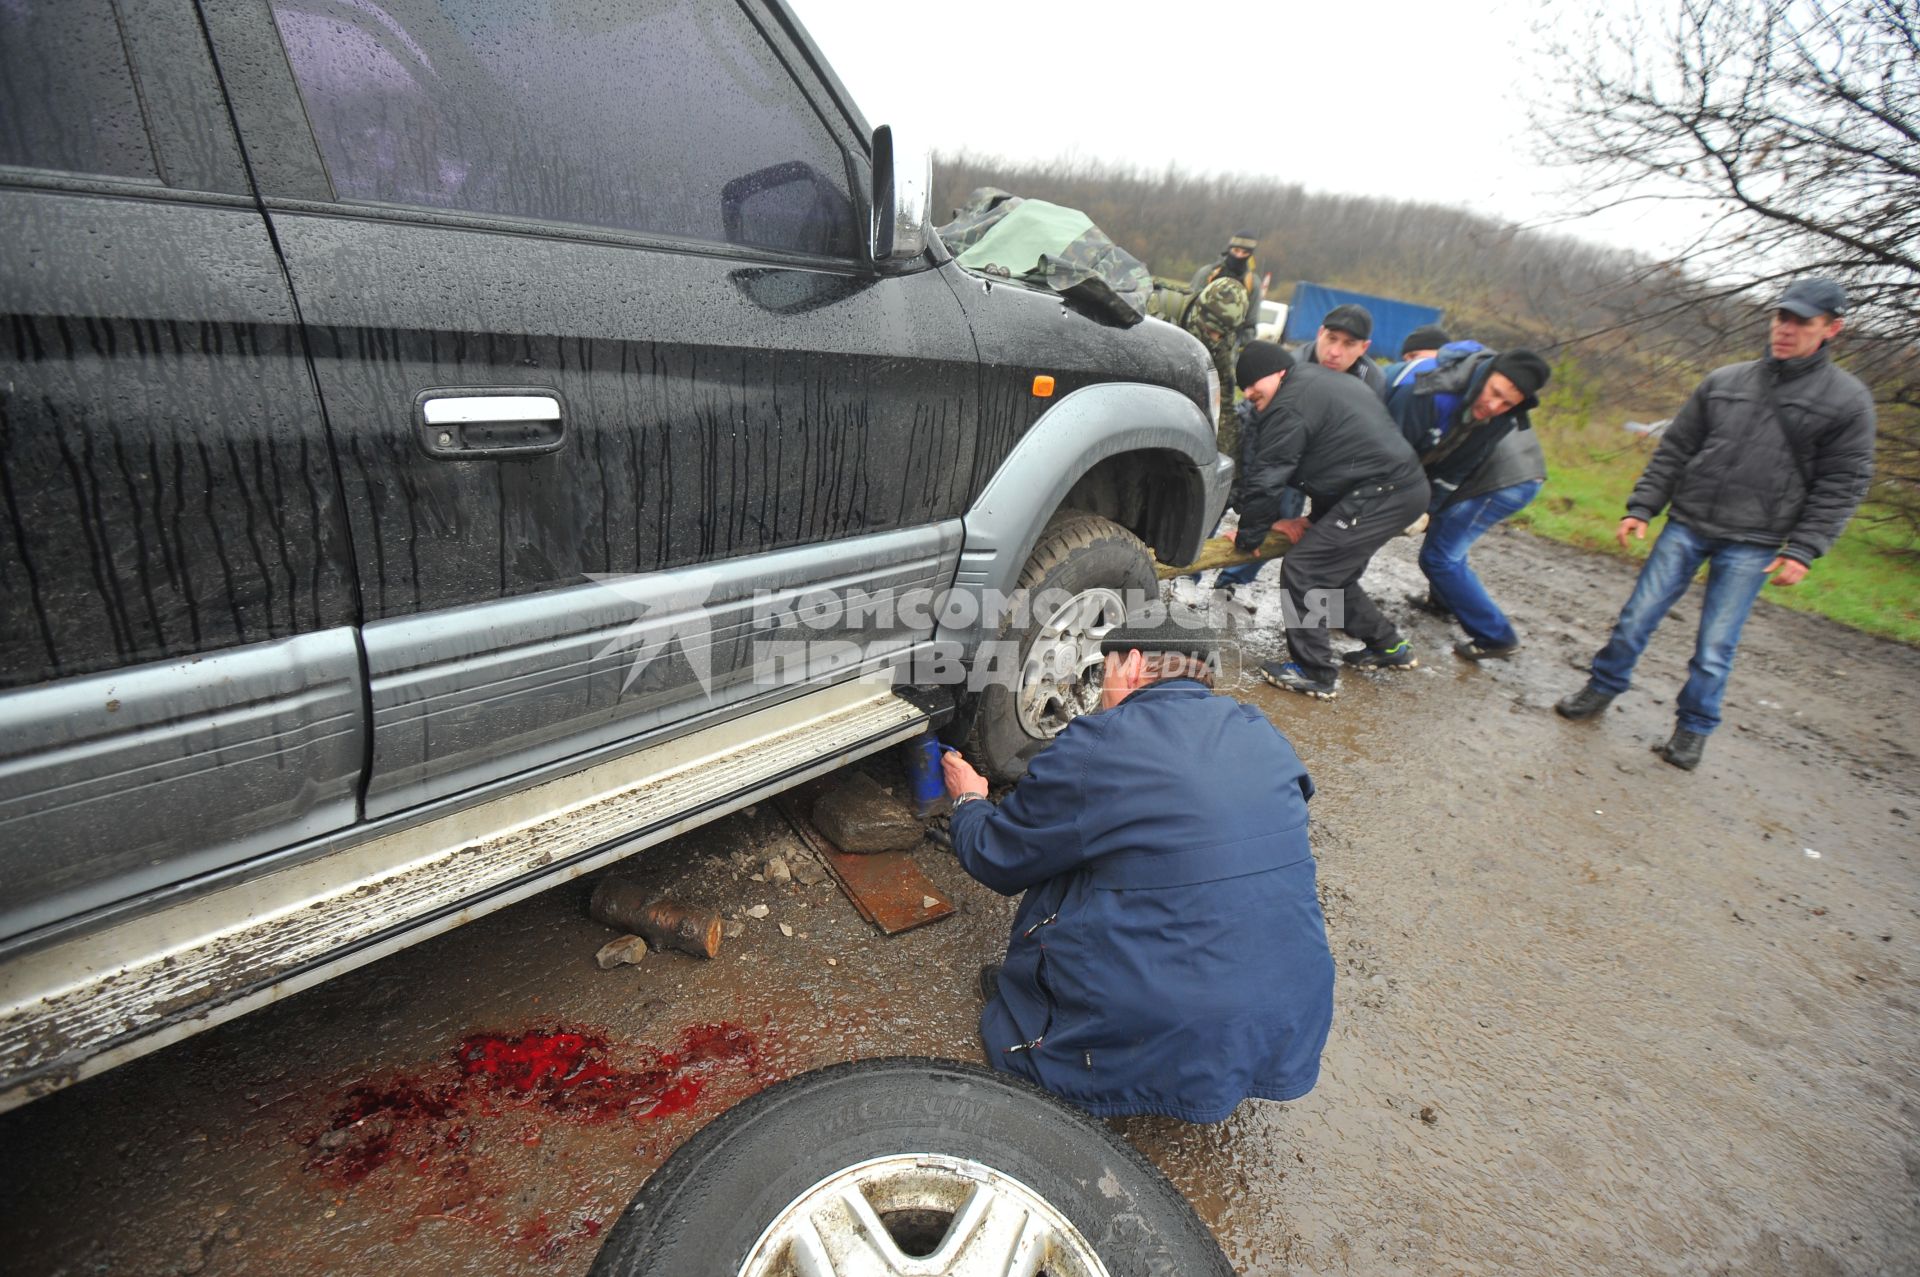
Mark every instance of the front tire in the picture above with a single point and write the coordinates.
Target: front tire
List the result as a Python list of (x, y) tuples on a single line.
[(887, 1166), (1078, 579)]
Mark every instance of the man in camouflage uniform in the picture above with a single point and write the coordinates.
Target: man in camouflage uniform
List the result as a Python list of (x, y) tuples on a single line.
[(1222, 314)]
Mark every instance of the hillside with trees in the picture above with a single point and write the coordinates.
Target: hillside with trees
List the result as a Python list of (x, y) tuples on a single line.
[(1796, 121), (1504, 285)]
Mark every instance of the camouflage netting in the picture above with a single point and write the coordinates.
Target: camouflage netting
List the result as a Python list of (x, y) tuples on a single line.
[(1060, 248)]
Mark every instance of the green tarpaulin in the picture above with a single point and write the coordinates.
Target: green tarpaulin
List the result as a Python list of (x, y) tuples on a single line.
[(1048, 244)]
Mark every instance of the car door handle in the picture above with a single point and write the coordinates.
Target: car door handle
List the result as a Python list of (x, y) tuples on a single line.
[(463, 424)]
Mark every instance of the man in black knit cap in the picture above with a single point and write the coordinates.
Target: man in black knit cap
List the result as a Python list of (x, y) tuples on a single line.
[(1467, 413), (1328, 435), (1423, 342)]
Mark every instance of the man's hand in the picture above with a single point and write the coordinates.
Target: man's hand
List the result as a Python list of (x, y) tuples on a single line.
[(1630, 526), (1790, 571), (960, 776), (1291, 529)]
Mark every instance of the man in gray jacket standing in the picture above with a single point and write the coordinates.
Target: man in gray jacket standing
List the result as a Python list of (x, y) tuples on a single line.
[(1759, 473)]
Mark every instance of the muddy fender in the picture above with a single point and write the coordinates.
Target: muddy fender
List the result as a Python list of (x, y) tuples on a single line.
[(1087, 428)]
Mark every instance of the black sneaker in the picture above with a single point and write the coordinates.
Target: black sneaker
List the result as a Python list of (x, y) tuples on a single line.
[(1588, 702), (1475, 650), (1398, 657), (1684, 750), (990, 980), (1429, 604), (1289, 675)]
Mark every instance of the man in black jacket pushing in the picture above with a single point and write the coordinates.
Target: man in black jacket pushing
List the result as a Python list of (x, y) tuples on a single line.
[(1328, 435), (1759, 472)]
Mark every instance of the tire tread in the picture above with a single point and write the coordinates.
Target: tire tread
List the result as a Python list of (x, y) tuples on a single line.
[(1067, 531), (653, 1225), (993, 740)]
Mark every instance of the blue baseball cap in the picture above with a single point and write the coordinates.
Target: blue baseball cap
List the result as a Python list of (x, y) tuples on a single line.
[(1813, 295)]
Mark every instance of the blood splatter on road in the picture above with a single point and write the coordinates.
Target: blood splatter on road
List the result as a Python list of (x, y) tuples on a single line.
[(494, 1091)]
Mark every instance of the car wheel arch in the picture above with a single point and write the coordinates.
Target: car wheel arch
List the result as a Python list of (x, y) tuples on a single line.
[(1141, 455)]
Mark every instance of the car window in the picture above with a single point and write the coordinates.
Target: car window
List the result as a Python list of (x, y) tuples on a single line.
[(66, 94), (666, 116)]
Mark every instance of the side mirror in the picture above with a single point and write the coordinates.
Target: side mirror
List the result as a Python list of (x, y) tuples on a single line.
[(902, 192)]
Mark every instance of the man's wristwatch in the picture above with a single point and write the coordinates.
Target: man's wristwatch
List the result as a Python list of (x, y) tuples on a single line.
[(968, 797)]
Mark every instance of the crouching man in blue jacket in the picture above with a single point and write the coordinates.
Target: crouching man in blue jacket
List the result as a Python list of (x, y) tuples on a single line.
[(1169, 955)]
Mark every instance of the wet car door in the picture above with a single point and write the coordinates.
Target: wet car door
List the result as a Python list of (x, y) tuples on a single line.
[(589, 307), (179, 679)]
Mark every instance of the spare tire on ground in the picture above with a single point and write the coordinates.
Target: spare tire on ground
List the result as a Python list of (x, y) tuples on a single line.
[(907, 1166)]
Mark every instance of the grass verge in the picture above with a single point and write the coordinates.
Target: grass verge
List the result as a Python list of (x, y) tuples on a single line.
[(1864, 581)]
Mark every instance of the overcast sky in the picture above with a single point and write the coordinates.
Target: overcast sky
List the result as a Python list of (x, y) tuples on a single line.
[(1392, 98)]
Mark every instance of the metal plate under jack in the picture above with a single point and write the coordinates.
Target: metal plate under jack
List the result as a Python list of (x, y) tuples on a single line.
[(887, 887)]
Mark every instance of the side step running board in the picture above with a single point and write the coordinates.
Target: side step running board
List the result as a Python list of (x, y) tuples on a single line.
[(82, 1005)]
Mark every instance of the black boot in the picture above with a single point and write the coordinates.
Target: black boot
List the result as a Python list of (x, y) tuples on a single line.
[(1685, 749), (990, 980), (1588, 702)]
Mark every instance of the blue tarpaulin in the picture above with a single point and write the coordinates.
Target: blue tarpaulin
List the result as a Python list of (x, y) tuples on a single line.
[(1392, 320)]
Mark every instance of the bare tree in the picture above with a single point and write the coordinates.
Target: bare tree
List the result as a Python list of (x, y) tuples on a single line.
[(1797, 124)]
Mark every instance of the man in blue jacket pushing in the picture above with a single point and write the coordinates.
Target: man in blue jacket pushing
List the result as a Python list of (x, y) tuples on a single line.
[(1168, 957), (1466, 412)]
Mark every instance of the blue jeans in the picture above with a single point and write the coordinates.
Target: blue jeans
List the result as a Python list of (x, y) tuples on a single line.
[(1240, 573), (1443, 557), (1735, 573)]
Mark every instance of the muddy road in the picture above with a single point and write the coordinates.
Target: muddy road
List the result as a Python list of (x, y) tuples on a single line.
[(1593, 1014)]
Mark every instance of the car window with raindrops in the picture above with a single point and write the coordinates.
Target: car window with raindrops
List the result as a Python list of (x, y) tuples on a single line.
[(670, 117), (67, 100)]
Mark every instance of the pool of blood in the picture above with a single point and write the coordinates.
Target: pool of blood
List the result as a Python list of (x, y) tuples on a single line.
[(572, 1074)]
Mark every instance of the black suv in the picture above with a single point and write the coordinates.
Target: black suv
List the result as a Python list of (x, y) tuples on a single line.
[(424, 424)]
